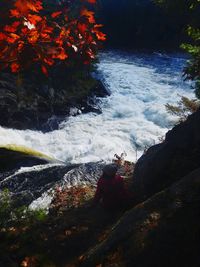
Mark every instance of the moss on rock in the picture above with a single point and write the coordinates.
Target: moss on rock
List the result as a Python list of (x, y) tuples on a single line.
[(14, 156)]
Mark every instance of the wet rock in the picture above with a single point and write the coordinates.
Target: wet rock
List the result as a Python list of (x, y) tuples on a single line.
[(28, 184), (30, 103), (13, 157)]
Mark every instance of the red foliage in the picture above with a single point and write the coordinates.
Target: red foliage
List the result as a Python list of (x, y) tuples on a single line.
[(38, 36)]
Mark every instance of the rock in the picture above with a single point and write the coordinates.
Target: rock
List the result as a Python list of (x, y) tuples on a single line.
[(167, 162), (13, 157), (28, 184), (29, 103), (162, 231)]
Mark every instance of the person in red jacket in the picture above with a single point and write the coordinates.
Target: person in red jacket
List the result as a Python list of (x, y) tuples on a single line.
[(110, 190)]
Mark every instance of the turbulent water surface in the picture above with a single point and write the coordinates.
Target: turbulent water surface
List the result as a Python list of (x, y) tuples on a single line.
[(132, 118)]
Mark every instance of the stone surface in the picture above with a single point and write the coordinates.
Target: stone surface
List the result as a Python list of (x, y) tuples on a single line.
[(30, 103), (13, 157), (167, 162), (28, 184)]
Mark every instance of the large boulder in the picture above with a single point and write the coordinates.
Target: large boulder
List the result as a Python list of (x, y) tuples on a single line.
[(167, 162), (38, 182)]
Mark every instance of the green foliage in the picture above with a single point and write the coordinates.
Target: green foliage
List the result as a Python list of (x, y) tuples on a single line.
[(192, 70), (5, 208), (191, 8), (10, 215)]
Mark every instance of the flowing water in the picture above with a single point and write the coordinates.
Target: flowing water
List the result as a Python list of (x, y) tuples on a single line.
[(133, 117)]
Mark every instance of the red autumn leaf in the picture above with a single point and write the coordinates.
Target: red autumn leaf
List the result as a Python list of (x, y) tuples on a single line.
[(92, 1), (14, 13), (12, 37), (44, 70), (56, 14), (100, 36), (49, 61), (46, 37), (59, 41), (39, 39), (20, 46), (33, 19), (61, 55), (48, 29), (2, 36), (24, 31), (82, 27), (98, 26), (25, 6), (15, 67), (86, 62), (11, 28), (33, 37), (90, 53), (89, 14)]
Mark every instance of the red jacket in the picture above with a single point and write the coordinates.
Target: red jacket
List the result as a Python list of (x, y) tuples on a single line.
[(111, 192)]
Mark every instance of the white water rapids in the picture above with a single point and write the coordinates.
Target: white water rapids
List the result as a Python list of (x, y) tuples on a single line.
[(133, 117)]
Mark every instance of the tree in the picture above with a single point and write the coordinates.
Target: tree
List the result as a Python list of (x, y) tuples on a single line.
[(192, 70), (44, 33), (192, 9), (142, 24)]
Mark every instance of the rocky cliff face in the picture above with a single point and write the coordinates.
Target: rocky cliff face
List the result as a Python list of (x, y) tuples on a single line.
[(162, 231), (169, 161)]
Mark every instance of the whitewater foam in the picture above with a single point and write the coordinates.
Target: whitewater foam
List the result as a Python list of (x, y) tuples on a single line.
[(133, 117)]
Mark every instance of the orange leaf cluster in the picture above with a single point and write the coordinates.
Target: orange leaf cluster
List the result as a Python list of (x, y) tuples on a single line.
[(73, 197), (38, 36)]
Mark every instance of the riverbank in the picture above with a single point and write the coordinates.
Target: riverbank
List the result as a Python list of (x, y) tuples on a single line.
[(133, 117), (40, 103)]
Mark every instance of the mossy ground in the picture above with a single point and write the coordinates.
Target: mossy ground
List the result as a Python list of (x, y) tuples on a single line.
[(15, 156), (25, 150)]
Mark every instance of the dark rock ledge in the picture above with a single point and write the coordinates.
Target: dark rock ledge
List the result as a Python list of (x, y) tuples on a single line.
[(166, 163), (38, 104)]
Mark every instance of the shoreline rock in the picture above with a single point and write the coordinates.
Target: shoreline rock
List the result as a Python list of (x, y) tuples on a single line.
[(29, 184), (28, 103), (13, 157)]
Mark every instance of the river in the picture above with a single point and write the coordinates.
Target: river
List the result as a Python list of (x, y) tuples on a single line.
[(133, 118)]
